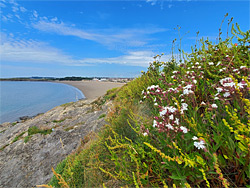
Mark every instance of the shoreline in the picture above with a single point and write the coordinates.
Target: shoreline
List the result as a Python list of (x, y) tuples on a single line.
[(92, 89)]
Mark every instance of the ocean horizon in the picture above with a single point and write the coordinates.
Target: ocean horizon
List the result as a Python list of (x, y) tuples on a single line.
[(29, 98)]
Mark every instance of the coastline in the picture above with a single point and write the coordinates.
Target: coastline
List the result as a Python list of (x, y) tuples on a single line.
[(92, 89)]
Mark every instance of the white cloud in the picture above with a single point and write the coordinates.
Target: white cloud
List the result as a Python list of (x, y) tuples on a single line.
[(35, 14), (115, 38), (13, 50), (132, 58), (22, 9)]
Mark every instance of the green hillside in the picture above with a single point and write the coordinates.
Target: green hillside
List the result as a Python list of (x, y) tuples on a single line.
[(177, 125)]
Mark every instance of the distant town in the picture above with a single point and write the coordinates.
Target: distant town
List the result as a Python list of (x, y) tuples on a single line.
[(72, 78)]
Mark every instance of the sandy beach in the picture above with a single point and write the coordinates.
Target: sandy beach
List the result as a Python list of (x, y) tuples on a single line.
[(93, 89)]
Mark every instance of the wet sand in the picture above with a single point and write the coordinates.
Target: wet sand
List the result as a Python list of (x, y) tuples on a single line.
[(93, 89)]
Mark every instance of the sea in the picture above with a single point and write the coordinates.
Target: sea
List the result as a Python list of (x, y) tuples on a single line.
[(28, 98)]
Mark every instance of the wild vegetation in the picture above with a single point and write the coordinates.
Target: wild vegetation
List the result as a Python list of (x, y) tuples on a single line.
[(180, 124)]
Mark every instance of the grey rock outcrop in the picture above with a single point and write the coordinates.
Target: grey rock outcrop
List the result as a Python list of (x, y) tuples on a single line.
[(29, 164)]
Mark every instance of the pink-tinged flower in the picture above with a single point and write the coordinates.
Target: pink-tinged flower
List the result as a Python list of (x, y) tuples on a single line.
[(227, 94), (184, 129), (202, 103), (200, 144), (214, 106)]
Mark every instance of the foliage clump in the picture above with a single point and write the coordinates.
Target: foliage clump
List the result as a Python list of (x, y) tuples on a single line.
[(178, 125)]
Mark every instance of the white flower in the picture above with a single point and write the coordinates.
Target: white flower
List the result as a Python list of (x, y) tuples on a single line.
[(242, 67), (154, 99), (195, 81), (174, 72), (219, 62), (145, 134), (227, 94), (214, 106), (170, 126), (142, 92), (235, 70), (187, 91), (188, 86), (211, 63), (176, 121), (171, 117), (184, 129), (171, 109), (144, 97), (202, 103), (154, 123), (216, 98), (200, 144), (182, 100), (188, 72), (219, 89), (241, 85), (195, 138), (197, 63), (184, 106), (199, 67), (163, 112), (156, 104), (173, 76)]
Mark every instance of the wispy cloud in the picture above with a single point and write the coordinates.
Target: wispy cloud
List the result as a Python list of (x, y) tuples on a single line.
[(129, 37), (13, 50)]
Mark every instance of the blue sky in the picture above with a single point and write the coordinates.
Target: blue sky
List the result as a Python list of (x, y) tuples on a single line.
[(104, 38)]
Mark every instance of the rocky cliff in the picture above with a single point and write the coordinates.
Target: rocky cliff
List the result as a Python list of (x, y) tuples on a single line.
[(26, 156)]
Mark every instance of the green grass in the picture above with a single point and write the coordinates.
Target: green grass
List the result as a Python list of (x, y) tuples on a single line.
[(18, 136), (35, 130), (102, 116)]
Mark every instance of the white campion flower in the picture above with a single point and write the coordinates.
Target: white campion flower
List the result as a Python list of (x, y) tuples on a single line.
[(171, 117), (202, 103), (154, 123), (169, 126), (214, 106), (219, 62), (219, 89), (171, 109), (187, 72), (242, 67), (211, 63), (184, 106), (227, 94), (176, 121), (195, 81), (195, 138), (145, 134), (187, 91), (197, 63), (200, 144), (188, 86), (184, 129)]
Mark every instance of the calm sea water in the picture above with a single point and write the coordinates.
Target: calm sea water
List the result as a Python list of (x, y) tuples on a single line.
[(19, 99)]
